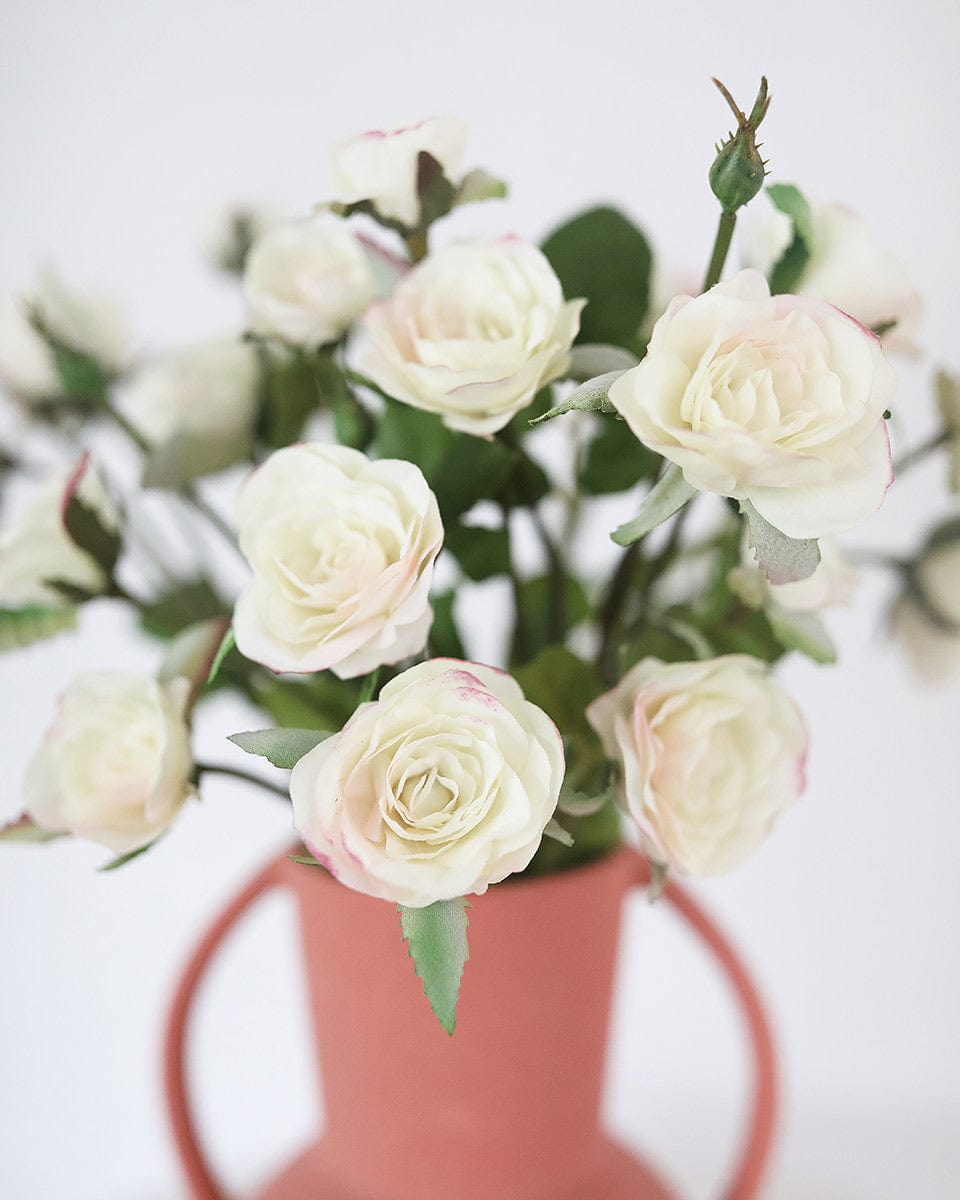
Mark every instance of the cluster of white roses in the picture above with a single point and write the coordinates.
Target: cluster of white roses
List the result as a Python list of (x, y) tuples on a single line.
[(449, 779)]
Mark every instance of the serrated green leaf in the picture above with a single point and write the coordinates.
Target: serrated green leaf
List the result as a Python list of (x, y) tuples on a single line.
[(470, 469), (782, 559), (437, 940), (226, 645), (667, 496), (283, 747), (615, 461), (602, 256), (21, 627), (787, 273), (25, 829), (320, 701), (563, 685), (415, 435), (588, 397), (122, 859)]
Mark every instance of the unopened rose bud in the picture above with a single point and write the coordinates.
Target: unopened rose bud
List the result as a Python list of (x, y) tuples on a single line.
[(738, 170)]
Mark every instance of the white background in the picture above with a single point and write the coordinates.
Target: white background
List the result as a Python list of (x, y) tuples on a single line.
[(121, 125)]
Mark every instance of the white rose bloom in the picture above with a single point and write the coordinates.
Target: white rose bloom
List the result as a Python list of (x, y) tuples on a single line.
[(472, 333), (342, 550), (307, 281), (208, 390), (381, 167), (37, 549), (832, 583), (90, 323), (441, 787), (710, 754), (847, 267), (774, 400), (115, 765)]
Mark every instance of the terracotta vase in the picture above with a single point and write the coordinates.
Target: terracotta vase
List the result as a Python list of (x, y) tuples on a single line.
[(506, 1109)]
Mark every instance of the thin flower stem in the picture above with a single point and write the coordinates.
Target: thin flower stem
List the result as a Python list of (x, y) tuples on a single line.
[(204, 768), (195, 500), (721, 247)]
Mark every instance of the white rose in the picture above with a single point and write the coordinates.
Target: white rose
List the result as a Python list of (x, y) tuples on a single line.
[(381, 167), (441, 787), (847, 266), (710, 754), (37, 549), (472, 333), (342, 550), (208, 390), (774, 400), (89, 323), (307, 281), (831, 584), (115, 764)]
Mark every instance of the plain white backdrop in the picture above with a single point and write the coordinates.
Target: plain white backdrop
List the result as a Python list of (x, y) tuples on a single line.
[(121, 125)]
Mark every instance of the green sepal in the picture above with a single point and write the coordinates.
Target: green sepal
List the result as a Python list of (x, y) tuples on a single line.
[(782, 559), (121, 860), (282, 747), (588, 397), (84, 525), (436, 936), (667, 496)]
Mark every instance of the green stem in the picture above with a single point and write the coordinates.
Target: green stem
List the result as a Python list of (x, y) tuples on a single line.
[(204, 768), (721, 247), (417, 245), (196, 501), (919, 453)]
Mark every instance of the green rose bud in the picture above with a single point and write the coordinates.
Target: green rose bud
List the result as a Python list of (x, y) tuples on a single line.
[(738, 170)]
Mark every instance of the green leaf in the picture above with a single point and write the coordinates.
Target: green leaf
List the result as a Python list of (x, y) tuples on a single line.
[(437, 939), (85, 527), (352, 423), (283, 747), (122, 859), (563, 685), (226, 645), (536, 618), (25, 829), (470, 469), (188, 456), (82, 377), (368, 688), (787, 273), (615, 461), (482, 553), (588, 397), (804, 632), (603, 257), (186, 604), (305, 861), (782, 559), (667, 496), (291, 396), (21, 627), (320, 701), (444, 637), (415, 435)]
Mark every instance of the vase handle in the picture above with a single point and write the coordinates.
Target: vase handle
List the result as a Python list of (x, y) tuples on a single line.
[(748, 1173), (202, 1183)]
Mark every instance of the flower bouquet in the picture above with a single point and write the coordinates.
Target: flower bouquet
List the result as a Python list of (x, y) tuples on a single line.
[(405, 418)]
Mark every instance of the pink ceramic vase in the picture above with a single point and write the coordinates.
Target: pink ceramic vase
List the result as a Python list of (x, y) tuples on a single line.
[(506, 1109)]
